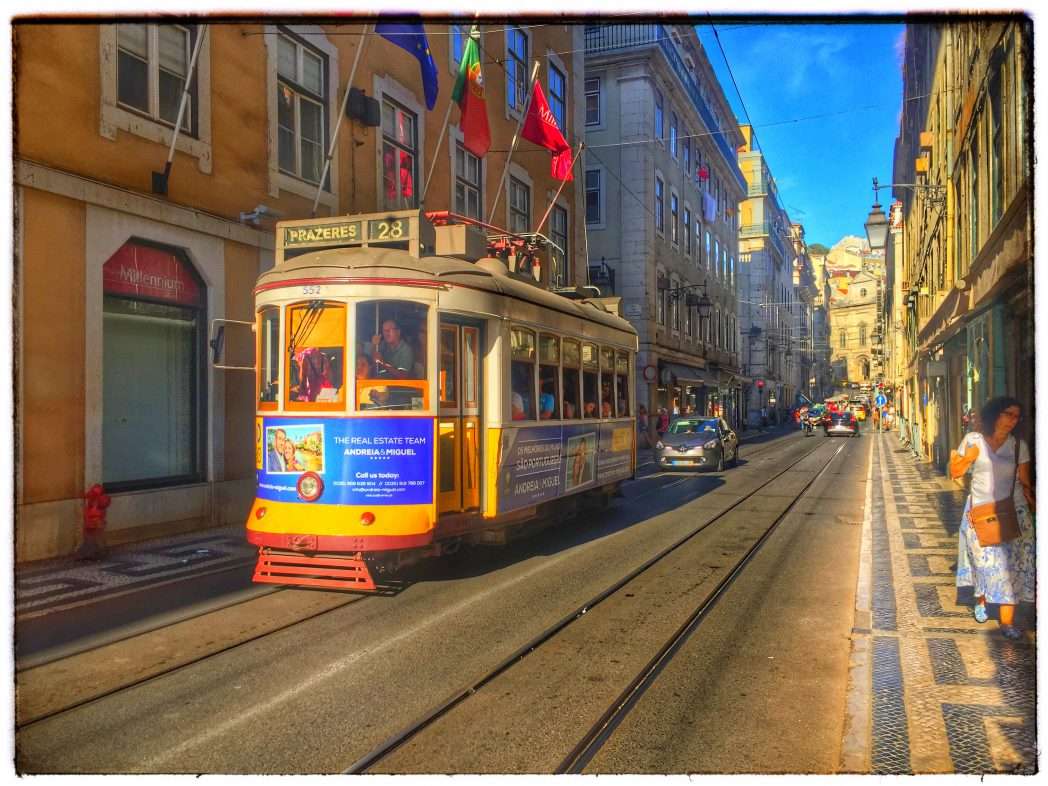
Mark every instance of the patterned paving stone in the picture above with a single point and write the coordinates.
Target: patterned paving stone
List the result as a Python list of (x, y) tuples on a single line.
[(946, 695)]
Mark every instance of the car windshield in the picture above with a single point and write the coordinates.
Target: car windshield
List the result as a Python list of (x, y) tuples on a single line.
[(692, 426)]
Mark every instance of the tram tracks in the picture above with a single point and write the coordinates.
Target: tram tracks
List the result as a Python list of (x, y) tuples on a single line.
[(42, 703), (598, 733)]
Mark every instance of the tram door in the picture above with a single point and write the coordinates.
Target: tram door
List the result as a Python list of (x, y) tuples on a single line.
[(458, 424)]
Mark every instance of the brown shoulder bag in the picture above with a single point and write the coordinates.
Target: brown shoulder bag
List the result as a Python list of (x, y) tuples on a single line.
[(997, 522)]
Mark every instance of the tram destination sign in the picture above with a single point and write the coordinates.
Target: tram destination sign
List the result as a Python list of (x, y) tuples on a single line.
[(372, 229)]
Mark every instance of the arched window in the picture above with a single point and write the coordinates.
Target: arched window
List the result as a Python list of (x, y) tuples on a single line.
[(154, 321)]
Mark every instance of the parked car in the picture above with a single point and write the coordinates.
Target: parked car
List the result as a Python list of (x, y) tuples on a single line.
[(697, 443), (841, 423)]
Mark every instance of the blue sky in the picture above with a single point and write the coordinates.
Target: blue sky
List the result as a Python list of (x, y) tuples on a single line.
[(825, 101)]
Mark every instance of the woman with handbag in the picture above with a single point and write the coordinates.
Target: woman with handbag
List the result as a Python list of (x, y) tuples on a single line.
[(996, 541)]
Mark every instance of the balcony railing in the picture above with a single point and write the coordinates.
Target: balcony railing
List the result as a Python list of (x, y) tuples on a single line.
[(608, 38), (765, 228)]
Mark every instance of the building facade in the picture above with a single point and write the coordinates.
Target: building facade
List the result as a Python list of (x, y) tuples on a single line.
[(854, 317), (119, 279), (806, 293), (821, 327), (769, 304), (662, 187), (963, 244)]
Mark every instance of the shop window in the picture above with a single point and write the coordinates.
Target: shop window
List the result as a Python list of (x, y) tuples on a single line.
[(590, 389), (571, 364), (268, 357), (391, 348), (549, 377), (522, 374), (153, 381)]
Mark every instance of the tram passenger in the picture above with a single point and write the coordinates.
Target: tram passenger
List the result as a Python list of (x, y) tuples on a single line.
[(605, 409), (315, 373), (589, 410), (547, 404), (392, 356), (517, 405), (363, 366), (569, 410)]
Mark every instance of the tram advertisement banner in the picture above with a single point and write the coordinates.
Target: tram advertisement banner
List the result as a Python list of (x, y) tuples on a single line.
[(362, 461), (541, 463)]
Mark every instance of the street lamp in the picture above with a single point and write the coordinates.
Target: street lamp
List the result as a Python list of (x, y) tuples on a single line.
[(702, 304), (877, 223)]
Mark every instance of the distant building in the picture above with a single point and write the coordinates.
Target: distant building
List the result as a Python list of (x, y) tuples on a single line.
[(854, 318), (662, 190), (766, 288)]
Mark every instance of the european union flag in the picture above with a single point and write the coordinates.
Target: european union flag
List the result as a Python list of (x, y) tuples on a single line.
[(412, 38)]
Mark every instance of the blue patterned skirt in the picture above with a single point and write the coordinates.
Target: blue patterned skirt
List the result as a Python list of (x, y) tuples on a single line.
[(1002, 574)]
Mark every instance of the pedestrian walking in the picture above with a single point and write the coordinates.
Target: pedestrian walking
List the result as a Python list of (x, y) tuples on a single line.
[(997, 564), (876, 418), (643, 435), (663, 424)]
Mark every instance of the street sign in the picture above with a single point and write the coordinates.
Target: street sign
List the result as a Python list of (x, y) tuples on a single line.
[(880, 401)]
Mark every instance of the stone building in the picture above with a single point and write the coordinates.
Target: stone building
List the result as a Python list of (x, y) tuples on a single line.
[(118, 279), (769, 303), (662, 189), (854, 316), (961, 248)]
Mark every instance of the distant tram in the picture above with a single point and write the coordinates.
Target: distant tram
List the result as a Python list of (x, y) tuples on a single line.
[(411, 399)]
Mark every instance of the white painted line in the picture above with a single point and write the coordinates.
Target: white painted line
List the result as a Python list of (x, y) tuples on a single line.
[(855, 747)]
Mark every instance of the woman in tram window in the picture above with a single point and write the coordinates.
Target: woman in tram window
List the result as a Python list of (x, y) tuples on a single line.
[(1003, 574)]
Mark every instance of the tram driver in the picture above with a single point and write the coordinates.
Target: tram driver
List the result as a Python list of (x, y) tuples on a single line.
[(390, 354)]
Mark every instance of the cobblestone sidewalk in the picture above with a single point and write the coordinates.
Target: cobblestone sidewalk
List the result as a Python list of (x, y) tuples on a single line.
[(932, 690)]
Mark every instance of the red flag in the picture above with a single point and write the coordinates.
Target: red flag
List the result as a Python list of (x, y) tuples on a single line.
[(540, 127)]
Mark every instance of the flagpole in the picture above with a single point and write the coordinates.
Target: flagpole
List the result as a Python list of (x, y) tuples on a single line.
[(562, 184), (440, 139), (513, 145), (338, 125)]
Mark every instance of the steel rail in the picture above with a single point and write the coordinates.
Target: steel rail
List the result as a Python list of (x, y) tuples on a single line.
[(387, 747), (576, 761)]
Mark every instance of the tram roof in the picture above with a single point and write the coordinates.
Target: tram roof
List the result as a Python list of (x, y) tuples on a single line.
[(373, 263)]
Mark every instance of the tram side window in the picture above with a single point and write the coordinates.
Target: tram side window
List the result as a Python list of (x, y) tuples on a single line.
[(269, 355), (590, 389), (571, 380), (522, 374), (316, 337), (549, 377), (607, 382), (622, 389), (390, 355)]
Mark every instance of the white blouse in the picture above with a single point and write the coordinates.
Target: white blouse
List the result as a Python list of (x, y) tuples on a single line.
[(992, 473)]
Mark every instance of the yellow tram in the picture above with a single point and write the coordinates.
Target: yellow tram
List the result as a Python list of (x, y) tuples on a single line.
[(413, 396)]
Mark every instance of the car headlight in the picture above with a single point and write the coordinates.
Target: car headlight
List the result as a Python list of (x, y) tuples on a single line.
[(659, 445), (711, 444)]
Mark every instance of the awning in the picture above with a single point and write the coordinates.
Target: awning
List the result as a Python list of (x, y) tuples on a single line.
[(686, 375)]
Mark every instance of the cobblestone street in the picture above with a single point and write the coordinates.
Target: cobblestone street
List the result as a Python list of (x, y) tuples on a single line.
[(944, 693)]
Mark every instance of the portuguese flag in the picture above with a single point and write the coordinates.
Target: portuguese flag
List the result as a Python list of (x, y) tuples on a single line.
[(469, 95)]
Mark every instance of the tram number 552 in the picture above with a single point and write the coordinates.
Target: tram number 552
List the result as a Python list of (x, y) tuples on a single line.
[(312, 289)]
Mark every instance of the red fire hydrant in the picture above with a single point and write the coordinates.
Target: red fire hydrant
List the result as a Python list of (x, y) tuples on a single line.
[(95, 503)]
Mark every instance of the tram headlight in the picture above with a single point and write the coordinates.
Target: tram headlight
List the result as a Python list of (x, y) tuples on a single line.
[(310, 486)]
